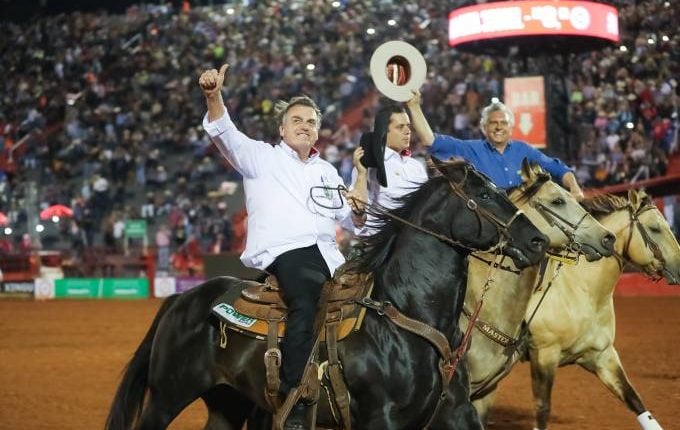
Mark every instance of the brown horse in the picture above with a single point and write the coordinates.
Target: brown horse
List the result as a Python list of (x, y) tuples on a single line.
[(569, 228), (583, 332)]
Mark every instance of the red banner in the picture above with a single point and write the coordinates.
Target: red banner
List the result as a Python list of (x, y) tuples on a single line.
[(526, 99), (533, 18)]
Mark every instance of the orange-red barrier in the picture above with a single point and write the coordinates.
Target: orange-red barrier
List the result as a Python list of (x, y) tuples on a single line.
[(636, 284)]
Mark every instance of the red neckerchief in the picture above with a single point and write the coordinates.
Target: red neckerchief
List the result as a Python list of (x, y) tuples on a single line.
[(405, 153), (313, 152)]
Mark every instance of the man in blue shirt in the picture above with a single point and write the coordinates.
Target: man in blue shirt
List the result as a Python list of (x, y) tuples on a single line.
[(497, 156)]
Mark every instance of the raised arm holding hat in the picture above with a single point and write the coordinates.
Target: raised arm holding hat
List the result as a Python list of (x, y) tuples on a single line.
[(498, 156)]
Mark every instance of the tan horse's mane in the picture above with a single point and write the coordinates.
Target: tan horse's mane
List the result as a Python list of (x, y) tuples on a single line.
[(604, 204)]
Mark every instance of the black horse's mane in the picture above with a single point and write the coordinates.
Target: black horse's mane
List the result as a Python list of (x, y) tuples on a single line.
[(604, 204), (375, 249)]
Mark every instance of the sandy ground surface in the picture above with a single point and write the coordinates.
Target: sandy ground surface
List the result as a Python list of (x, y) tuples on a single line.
[(60, 363)]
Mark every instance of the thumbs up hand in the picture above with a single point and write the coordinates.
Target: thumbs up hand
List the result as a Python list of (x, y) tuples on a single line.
[(211, 81)]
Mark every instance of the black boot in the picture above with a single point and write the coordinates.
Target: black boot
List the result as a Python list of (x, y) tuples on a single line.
[(297, 419)]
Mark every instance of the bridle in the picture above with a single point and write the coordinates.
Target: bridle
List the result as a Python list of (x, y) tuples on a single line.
[(502, 226), (567, 227), (646, 239)]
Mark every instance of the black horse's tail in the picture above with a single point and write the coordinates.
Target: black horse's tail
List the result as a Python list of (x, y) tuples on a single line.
[(127, 404)]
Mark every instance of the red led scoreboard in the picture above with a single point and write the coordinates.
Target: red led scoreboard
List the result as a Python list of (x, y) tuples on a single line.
[(531, 21)]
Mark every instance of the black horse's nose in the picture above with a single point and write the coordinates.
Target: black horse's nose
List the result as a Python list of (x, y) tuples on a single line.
[(539, 243), (608, 242)]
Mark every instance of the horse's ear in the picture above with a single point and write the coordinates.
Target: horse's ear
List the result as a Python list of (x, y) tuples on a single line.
[(634, 198), (454, 169), (437, 164), (528, 174)]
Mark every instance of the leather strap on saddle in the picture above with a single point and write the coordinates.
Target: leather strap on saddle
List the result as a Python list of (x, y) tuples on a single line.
[(340, 391), (272, 365)]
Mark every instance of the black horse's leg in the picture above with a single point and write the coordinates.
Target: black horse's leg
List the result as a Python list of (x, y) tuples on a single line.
[(456, 410), (543, 366), (227, 409), (182, 366)]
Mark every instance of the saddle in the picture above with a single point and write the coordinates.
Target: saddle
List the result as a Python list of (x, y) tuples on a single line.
[(264, 303), (259, 311)]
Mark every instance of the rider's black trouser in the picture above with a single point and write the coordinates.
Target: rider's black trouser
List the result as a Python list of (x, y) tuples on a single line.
[(301, 274)]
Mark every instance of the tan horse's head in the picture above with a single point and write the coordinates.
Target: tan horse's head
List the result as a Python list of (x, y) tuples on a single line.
[(644, 237), (557, 214)]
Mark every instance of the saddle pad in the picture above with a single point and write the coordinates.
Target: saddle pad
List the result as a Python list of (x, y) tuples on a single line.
[(223, 309)]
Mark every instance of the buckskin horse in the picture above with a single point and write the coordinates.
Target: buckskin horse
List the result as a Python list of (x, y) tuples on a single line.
[(582, 331), (497, 341), (417, 260)]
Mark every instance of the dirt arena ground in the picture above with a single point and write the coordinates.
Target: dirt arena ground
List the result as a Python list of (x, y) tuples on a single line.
[(60, 363)]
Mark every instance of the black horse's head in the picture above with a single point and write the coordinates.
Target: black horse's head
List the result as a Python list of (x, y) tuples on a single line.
[(460, 207), (487, 218)]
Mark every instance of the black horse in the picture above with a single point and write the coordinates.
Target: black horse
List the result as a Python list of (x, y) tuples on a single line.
[(392, 375)]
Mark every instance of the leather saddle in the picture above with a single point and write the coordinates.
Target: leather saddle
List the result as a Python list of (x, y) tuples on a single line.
[(261, 305)]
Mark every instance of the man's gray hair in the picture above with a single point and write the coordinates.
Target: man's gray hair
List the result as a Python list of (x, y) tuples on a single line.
[(496, 107), (281, 109)]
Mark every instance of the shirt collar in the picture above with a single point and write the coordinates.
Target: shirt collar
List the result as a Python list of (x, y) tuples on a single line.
[(490, 145), (313, 152), (389, 153)]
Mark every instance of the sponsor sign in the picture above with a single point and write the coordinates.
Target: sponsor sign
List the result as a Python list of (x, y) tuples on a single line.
[(526, 99), (84, 288), (135, 228), (164, 286), (125, 288), (18, 287), (230, 314), (106, 288), (533, 18), (44, 288), (185, 283)]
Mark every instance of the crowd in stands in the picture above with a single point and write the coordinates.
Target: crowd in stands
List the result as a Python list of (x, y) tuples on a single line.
[(103, 112)]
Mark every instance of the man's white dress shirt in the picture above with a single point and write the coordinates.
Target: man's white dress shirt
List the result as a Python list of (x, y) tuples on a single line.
[(281, 214), (404, 175)]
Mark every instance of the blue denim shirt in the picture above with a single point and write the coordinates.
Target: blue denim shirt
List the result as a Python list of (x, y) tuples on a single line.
[(503, 169)]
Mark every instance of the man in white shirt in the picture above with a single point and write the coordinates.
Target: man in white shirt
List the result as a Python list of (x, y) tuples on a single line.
[(399, 173), (293, 202)]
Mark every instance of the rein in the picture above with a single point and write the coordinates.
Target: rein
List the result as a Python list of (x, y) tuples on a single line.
[(448, 361), (556, 220), (501, 226), (510, 344), (646, 239)]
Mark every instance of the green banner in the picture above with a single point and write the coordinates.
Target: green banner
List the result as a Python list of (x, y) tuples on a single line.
[(102, 288), (126, 288), (135, 228), (80, 288)]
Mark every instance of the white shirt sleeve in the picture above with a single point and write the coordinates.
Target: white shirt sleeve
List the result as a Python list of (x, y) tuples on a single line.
[(245, 154)]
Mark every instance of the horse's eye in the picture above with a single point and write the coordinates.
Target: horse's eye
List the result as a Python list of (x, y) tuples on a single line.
[(558, 201), (485, 196), (655, 229)]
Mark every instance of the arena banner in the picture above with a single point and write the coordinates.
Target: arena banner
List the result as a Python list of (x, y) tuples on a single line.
[(533, 18), (27, 287), (125, 288), (101, 288), (164, 286), (526, 99), (185, 283), (44, 288)]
